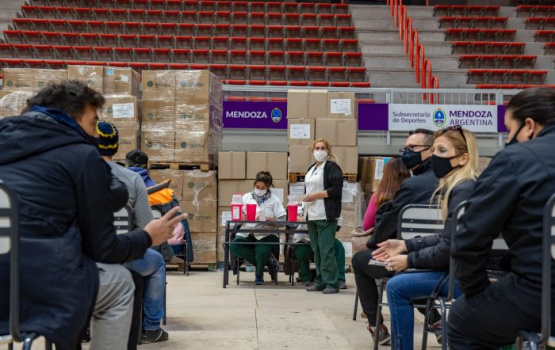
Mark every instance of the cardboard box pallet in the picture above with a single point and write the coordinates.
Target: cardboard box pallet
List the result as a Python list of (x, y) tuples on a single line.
[(182, 116)]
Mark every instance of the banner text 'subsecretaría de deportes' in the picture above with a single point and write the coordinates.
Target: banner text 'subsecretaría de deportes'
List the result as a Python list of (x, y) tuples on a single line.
[(476, 118)]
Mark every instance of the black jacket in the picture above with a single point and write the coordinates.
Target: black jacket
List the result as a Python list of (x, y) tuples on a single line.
[(417, 189), (66, 224), (433, 252), (509, 197), (333, 183)]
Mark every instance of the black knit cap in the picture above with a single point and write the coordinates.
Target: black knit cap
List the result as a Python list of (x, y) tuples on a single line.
[(108, 138)]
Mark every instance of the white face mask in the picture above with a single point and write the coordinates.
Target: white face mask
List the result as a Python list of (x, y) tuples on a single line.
[(260, 193), (320, 155)]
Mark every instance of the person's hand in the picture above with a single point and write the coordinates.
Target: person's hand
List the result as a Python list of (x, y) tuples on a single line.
[(398, 263), (389, 248), (310, 197), (161, 230), (300, 218)]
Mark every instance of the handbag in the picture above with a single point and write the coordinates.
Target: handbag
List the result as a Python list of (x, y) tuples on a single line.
[(359, 238)]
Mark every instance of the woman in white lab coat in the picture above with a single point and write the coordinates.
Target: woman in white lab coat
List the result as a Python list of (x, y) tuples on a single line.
[(268, 208), (322, 204)]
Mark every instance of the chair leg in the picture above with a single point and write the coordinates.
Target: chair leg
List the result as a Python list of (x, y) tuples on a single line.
[(165, 309), (355, 309), (28, 342), (238, 270), (378, 314), (426, 321), (444, 339)]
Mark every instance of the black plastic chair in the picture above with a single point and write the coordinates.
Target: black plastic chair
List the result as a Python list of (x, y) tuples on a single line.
[(414, 220), (9, 245), (543, 339)]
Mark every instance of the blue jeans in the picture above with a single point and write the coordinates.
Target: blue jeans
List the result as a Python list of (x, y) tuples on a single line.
[(401, 290), (151, 266)]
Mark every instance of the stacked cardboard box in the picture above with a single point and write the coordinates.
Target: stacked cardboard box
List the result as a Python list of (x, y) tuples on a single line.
[(123, 111), (108, 80), (21, 83), (31, 80), (315, 114), (197, 194), (237, 174), (182, 116), (13, 103)]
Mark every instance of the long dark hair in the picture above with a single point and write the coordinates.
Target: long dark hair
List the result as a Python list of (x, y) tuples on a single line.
[(394, 173), (536, 103)]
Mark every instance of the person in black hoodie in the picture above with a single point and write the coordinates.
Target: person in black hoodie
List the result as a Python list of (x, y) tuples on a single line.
[(417, 189), (69, 247), (322, 208), (509, 198)]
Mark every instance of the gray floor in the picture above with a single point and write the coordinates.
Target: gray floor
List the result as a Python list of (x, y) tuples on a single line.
[(202, 315)]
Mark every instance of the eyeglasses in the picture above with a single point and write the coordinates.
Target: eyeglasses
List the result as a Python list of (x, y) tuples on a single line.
[(412, 147), (459, 128)]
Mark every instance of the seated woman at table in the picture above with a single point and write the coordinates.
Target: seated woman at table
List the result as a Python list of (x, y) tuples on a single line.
[(268, 208)]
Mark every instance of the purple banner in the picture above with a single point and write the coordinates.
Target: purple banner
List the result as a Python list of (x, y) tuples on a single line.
[(372, 116), (501, 118), (255, 115), (273, 115)]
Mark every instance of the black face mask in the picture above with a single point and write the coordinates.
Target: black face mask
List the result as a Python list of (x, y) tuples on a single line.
[(442, 166), (95, 141), (514, 140), (411, 158)]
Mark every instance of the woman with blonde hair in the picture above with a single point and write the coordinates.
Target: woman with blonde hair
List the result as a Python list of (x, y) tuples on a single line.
[(455, 163), (322, 208)]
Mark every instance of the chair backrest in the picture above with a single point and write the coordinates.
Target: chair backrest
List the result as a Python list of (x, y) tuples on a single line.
[(9, 244), (123, 220), (419, 220), (548, 255)]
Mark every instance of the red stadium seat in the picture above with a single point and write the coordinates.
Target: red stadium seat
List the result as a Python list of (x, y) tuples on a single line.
[(317, 73), (181, 55), (297, 73)]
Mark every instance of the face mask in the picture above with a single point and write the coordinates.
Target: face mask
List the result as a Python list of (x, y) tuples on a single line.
[(95, 141), (260, 193), (442, 166), (514, 140), (320, 155), (411, 158)]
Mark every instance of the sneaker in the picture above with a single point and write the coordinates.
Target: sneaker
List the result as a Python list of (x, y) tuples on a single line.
[(436, 328), (342, 284), (307, 284), (258, 281), (154, 336), (330, 290), (315, 288), (383, 337)]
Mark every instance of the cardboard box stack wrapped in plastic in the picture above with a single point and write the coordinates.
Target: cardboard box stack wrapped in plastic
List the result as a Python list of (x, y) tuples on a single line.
[(315, 114), (197, 193), (121, 89), (237, 175), (108, 80), (12, 103), (182, 116), (21, 83)]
